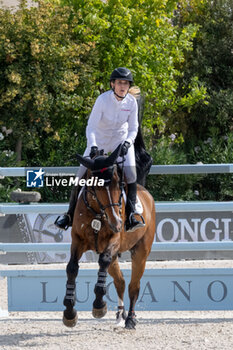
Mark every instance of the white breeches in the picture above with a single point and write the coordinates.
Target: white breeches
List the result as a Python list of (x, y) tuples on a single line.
[(129, 165)]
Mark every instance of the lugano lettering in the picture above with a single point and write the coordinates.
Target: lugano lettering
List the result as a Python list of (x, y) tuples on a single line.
[(216, 291), (196, 229)]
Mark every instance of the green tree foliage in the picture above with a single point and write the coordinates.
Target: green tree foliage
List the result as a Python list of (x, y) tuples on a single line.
[(207, 126), (212, 60), (56, 58), (45, 80), (141, 35)]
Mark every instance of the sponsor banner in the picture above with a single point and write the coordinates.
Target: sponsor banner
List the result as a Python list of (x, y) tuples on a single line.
[(35, 228), (170, 227), (193, 227), (196, 227)]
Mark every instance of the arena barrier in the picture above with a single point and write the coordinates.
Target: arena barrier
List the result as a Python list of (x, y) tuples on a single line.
[(168, 289), (161, 289)]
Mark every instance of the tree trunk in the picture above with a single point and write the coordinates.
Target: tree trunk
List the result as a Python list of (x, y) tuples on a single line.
[(18, 149)]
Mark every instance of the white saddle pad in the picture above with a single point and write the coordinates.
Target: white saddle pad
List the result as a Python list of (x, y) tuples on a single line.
[(138, 206)]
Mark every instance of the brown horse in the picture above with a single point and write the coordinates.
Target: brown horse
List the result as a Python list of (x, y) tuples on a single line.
[(98, 225)]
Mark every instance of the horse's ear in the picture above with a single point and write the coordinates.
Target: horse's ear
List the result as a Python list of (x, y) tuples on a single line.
[(113, 157), (87, 162)]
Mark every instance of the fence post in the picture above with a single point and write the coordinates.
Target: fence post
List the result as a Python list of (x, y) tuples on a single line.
[(3, 313)]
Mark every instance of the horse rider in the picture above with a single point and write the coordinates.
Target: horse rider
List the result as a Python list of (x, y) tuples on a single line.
[(113, 120)]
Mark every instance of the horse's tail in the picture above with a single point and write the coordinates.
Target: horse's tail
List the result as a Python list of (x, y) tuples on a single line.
[(143, 159)]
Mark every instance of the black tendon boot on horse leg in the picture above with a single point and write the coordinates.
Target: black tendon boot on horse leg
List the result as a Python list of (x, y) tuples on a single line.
[(99, 305), (70, 316), (67, 219), (132, 223)]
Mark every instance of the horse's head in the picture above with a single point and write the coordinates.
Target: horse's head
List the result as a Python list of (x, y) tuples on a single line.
[(108, 196)]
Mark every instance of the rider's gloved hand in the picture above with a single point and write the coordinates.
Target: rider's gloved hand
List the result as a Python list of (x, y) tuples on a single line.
[(124, 149), (94, 151)]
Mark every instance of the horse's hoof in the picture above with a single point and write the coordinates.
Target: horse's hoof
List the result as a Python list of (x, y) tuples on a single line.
[(70, 323), (99, 313), (120, 318), (130, 323)]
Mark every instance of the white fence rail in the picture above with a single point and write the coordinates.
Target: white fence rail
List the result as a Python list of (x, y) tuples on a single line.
[(161, 207), (156, 247), (155, 170)]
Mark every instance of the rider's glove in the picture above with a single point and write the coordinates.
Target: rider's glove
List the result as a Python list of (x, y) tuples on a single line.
[(94, 151), (124, 149)]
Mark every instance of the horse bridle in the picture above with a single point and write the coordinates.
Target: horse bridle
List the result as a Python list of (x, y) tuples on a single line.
[(99, 216), (102, 208)]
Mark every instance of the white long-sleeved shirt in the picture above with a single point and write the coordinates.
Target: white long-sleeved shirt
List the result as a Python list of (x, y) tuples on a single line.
[(112, 121)]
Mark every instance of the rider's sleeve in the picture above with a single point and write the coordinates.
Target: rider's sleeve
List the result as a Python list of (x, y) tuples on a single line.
[(93, 120), (133, 123)]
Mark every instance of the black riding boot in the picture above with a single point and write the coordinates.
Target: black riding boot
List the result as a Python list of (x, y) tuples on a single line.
[(132, 223), (66, 220)]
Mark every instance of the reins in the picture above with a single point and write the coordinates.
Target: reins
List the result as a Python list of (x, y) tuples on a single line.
[(121, 183), (93, 192)]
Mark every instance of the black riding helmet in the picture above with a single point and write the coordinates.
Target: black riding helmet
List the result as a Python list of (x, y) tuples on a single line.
[(122, 73)]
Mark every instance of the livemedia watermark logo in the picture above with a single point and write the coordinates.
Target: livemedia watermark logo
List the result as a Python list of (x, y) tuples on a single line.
[(37, 178)]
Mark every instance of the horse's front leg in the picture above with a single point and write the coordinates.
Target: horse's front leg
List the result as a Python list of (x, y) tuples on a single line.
[(99, 305), (70, 314), (119, 282), (139, 257)]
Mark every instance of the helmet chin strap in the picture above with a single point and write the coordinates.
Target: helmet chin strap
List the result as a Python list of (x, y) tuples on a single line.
[(119, 95)]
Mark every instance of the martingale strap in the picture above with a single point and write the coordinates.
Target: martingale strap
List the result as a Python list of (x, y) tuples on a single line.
[(96, 241)]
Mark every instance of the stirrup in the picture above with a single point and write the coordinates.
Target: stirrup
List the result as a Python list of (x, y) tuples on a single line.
[(129, 223), (66, 226)]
